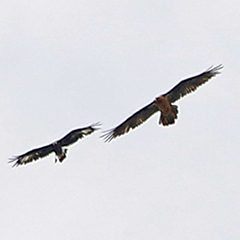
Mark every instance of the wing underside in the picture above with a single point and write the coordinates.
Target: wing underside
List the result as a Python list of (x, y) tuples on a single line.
[(32, 155), (130, 123), (189, 85)]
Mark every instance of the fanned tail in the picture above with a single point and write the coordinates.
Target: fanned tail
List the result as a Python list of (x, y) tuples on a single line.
[(169, 118)]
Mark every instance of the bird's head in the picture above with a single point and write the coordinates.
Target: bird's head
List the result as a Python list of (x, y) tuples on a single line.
[(159, 99)]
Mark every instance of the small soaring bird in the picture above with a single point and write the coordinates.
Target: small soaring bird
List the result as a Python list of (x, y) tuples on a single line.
[(163, 103), (57, 147)]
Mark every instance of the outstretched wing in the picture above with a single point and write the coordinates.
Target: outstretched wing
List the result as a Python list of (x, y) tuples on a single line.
[(190, 84), (32, 155), (132, 122), (76, 134)]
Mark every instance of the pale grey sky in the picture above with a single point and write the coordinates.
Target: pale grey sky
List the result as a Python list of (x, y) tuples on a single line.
[(67, 64)]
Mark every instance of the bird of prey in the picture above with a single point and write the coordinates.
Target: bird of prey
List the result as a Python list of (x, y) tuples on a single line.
[(57, 147), (162, 103)]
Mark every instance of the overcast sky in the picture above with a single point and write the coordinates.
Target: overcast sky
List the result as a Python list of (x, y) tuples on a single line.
[(70, 63)]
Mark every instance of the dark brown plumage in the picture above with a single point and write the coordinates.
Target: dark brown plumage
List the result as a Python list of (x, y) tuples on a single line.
[(163, 103), (56, 147)]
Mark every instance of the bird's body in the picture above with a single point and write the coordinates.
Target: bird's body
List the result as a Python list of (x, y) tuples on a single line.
[(163, 104), (59, 151), (168, 111), (58, 147)]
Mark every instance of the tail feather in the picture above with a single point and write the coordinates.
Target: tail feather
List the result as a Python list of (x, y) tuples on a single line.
[(61, 156), (169, 118)]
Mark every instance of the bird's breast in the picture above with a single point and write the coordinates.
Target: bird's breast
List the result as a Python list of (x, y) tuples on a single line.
[(57, 148), (163, 104)]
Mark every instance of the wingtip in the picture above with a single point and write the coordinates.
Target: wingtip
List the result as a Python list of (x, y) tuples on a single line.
[(108, 135), (215, 68), (14, 160), (96, 126)]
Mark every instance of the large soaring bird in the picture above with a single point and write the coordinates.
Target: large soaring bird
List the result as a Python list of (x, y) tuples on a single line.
[(56, 147), (163, 103)]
